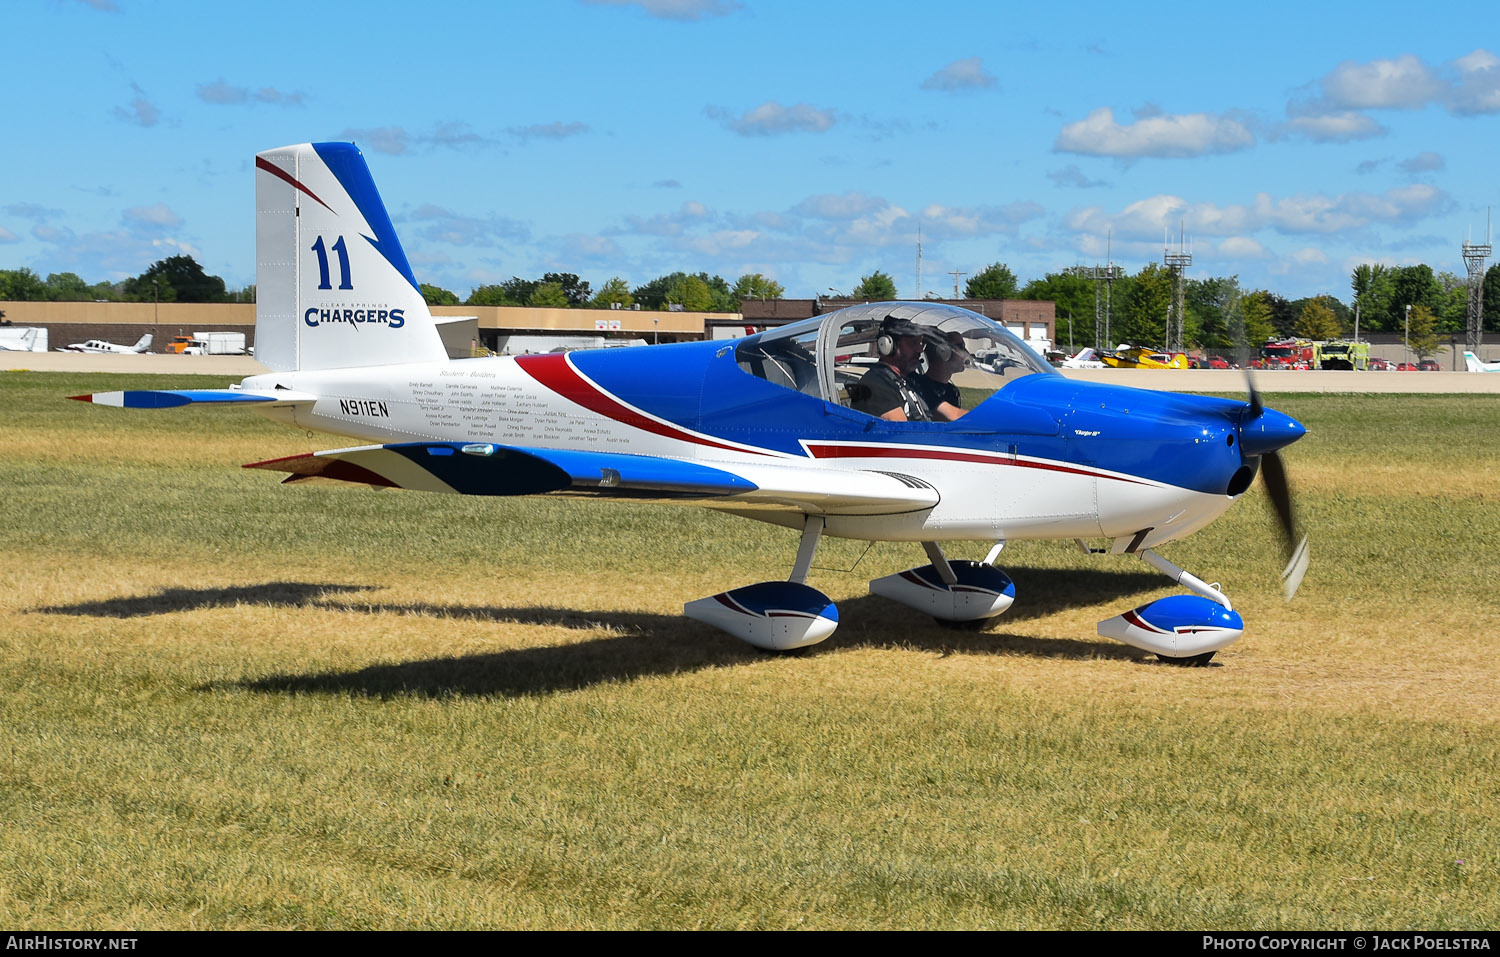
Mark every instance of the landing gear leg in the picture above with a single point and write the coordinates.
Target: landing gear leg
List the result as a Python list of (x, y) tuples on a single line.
[(960, 594)]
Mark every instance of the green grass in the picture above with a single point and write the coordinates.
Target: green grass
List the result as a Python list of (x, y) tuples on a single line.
[(230, 703)]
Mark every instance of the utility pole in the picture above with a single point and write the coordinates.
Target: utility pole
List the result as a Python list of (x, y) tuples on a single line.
[(1406, 337), (956, 274)]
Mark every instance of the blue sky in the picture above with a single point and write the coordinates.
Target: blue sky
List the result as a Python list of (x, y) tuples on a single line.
[(805, 140)]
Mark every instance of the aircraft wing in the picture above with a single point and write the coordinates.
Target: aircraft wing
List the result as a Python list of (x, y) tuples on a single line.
[(484, 468), (171, 398)]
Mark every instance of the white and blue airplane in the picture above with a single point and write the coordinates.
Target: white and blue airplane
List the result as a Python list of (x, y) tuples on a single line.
[(761, 427), (1475, 364)]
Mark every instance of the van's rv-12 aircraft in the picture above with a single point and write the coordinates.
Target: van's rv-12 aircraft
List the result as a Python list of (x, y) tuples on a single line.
[(760, 427)]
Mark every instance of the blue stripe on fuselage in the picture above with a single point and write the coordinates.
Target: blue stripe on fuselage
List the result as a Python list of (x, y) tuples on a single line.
[(1164, 437)]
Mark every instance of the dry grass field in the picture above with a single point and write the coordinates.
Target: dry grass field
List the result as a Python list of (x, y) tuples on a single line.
[(229, 704)]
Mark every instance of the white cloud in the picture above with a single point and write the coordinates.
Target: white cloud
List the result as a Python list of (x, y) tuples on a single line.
[(140, 111), (151, 218), (222, 93), (945, 222), (1467, 86), (6, 236), (1241, 247), (683, 10), (967, 74), (31, 211), (1148, 218), (382, 139), (1328, 214), (687, 216), (1478, 87), (1403, 83), (446, 226), (1072, 177), (556, 130), (722, 241), (118, 253), (580, 247), (1166, 136), (850, 205), (396, 140), (1422, 163), (771, 119), (1340, 127)]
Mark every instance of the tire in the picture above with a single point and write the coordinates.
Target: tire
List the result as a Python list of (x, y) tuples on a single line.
[(1192, 661), (976, 624)]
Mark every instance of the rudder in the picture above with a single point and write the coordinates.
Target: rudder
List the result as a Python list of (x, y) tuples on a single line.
[(333, 287)]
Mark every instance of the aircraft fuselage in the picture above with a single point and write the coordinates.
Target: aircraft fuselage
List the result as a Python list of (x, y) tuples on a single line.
[(1045, 457)]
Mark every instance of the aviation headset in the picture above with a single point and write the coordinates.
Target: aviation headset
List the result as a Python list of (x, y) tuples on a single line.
[(892, 329)]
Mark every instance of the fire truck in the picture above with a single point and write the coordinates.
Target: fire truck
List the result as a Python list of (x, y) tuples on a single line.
[(1288, 354), (1343, 354)]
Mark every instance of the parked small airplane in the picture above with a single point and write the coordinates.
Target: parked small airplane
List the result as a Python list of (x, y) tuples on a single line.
[(99, 346), (1139, 357), (23, 339), (1085, 359), (819, 426), (1475, 365)]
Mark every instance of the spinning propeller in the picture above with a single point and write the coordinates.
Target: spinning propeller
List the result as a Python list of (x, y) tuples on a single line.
[(1262, 432)]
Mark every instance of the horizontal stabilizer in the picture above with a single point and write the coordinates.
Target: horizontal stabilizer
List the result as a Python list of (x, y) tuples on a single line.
[(171, 398), (483, 468)]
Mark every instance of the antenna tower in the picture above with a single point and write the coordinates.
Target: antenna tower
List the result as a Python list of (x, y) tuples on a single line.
[(1177, 264), (1474, 256), (1106, 274), (920, 294)]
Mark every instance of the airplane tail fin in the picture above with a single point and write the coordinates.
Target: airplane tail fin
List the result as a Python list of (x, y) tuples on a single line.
[(333, 287), (143, 344), (1472, 361)]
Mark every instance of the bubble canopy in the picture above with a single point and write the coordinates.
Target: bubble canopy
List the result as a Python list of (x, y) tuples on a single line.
[(824, 355)]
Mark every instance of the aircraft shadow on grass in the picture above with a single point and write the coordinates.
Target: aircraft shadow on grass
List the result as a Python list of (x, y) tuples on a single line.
[(642, 644), (645, 644), (170, 600)]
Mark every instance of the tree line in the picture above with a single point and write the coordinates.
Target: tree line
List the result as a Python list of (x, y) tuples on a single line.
[(698, 292), (1218, 312), (177, 279)]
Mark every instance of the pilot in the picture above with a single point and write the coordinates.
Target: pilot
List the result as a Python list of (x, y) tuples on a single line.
[(945, 357), (884, 390)]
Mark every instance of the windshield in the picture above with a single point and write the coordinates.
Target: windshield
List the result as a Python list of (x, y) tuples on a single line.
[(825, 356)]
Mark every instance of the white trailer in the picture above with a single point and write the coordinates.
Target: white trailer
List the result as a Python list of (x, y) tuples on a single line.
[(216, 344)]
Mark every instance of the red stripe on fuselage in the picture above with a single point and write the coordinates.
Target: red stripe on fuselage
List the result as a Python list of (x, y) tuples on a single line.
[(821, 450), (282, 174), (557, 373)]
